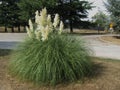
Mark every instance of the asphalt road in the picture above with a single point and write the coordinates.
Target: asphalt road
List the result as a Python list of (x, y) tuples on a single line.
[(100, 49)]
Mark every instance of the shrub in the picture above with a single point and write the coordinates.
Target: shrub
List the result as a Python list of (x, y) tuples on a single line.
[(55, 59)]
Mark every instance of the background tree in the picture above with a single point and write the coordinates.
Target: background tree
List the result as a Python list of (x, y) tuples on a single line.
[(9, 14), (69, 10), (28, 8), (17, 12), (113, 7), (3, 14), (101, 19), (73, 11)]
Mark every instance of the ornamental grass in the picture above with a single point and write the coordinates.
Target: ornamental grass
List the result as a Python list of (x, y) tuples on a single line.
[(49, 57)]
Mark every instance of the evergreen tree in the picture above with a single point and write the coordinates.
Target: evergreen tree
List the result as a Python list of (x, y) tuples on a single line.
[(3, 14), (73, 10), (28, 8), (69, 10), (113, 7), (9, 14)]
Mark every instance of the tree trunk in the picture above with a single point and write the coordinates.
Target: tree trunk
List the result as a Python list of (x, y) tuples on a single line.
[(18, 28), (24, 29), (71, 26), (98, 31), (70, 19), (12, 29), (5, 28), (98, 28)]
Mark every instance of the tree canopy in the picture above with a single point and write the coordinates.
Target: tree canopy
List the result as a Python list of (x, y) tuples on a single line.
[(17, 12), (101, 19), (69, 10), (113, 7), (9, 13)]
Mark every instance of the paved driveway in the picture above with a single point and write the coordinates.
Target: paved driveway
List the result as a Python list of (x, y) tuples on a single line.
[(101, 49), (10, 40)]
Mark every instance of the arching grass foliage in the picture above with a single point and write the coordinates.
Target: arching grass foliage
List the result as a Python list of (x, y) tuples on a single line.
[(59, 59), (49, 57)]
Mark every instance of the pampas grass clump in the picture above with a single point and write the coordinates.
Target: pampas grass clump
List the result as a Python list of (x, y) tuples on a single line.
[(50, 57)]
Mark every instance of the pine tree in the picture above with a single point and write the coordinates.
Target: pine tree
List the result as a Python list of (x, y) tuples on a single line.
[(9, 14), (69, 10), (74, 10), (28, 8), (3, 14)]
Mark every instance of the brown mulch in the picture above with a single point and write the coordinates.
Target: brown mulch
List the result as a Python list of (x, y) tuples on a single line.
[(106, 77)]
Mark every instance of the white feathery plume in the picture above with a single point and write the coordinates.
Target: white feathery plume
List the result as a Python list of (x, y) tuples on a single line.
[(38, 35), (46, 32), (43, 17), (29, 32), (61, 27), (49, 23), (43, 34), (30, 25), (48, 19), (44, 25), (39, 27), (56, 21), (37, 17)]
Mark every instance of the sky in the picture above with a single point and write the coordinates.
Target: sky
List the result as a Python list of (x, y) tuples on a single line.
[(99, 5)]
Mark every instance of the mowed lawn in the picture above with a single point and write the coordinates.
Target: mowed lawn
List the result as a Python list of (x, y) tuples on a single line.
[(106, 77)]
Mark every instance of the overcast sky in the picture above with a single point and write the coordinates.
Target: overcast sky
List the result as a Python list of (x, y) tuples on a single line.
[(99, 6)]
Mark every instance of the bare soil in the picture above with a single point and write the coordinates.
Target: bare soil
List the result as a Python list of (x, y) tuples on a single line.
[(106, 77), (111, 39)]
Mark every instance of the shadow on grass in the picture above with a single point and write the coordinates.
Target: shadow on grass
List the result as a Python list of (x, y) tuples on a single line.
[(5, 52)]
